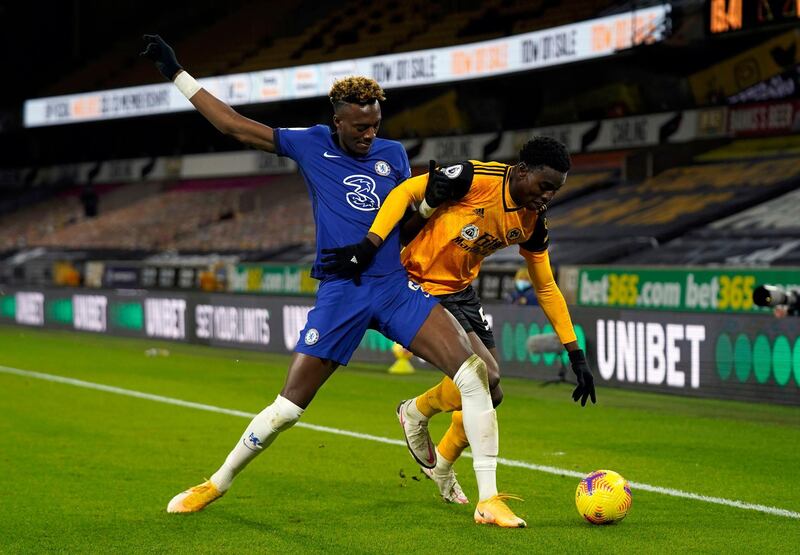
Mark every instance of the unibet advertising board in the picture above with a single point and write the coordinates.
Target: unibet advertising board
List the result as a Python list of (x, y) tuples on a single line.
[(749, 357)]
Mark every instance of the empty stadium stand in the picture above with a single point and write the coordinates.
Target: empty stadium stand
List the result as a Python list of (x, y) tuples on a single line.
[(244, 214), (631, 222), (768, 234), (252, 36), (28, 227), (740, 210), (731, 205)]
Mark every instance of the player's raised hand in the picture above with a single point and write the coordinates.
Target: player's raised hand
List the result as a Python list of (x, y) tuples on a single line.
[(584, 376), (349, 261), (452, 183), (157, 50), (439, 188)]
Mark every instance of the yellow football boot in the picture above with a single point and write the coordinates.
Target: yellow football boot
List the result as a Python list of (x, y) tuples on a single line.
[(194, 499), (495, 511)]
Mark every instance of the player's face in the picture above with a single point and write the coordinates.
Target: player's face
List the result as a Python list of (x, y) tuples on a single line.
[(357, 126), (533, 188)]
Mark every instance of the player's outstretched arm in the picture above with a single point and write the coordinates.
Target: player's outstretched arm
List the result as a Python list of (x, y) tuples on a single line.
[(549, 296), (223, 117), (555, 308)]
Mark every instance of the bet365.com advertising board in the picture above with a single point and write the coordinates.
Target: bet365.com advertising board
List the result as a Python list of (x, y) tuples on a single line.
[(701, 290), (753, 357)]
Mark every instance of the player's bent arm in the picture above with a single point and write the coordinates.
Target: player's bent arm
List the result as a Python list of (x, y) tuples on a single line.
[(395, 204), (550, 298), (229, 122)]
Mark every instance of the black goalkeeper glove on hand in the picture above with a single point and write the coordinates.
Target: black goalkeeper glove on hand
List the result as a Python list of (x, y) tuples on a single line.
[(162, 54), (349, 261), (584, 375)]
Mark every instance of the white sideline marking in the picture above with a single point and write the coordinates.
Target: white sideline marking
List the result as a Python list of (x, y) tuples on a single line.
[(507, 462)]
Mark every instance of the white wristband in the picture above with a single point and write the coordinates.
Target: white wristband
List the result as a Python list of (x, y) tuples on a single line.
[(425, 210), (187, 84)]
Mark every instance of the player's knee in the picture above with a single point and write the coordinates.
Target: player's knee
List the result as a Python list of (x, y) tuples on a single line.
[(472, 377), (284, 415)]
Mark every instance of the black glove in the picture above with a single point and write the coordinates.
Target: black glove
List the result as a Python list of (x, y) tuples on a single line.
[(444, 186), (584, 376), (349, 261), (162, 54), (438, 189)]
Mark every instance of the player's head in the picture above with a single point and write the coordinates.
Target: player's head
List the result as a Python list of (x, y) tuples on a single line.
[(356, 112), (542, 170)]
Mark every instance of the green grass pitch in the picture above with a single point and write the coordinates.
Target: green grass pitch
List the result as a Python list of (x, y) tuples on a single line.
[(83, 470)]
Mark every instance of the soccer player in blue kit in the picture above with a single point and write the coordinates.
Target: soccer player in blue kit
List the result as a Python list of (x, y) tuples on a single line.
[(348, 173)]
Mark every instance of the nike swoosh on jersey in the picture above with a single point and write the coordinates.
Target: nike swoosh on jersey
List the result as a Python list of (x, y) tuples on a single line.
[(326, 155)]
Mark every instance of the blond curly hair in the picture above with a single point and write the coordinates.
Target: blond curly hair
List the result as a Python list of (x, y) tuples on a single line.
[(355, 90)]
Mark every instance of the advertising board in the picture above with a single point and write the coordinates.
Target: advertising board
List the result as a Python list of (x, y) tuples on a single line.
[(750, 357)]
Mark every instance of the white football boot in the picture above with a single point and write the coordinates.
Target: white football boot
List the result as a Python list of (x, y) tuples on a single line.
[(418, 438), (448, 486)]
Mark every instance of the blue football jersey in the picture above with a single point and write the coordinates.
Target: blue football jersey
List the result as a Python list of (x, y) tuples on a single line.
[(346, 191)]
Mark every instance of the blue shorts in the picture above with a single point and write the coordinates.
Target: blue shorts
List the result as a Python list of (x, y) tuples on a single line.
[(392, 304)]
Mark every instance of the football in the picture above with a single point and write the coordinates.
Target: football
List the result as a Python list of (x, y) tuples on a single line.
[(603, 497)]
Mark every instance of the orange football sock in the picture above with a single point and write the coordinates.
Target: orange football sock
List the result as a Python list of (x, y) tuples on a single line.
[(443, 397), (454, 440)]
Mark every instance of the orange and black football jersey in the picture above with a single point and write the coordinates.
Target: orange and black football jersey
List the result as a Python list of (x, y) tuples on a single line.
[(445, 257), (447, 253)]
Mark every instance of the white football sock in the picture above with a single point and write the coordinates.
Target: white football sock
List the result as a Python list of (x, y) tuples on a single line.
[(259, 434), (480, 423)]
